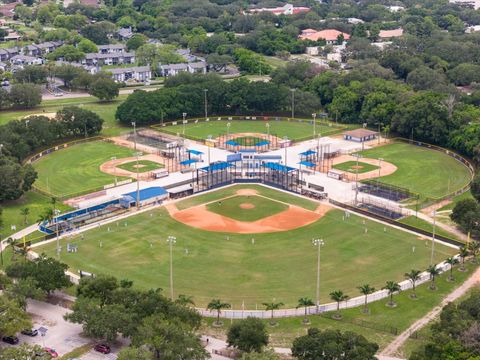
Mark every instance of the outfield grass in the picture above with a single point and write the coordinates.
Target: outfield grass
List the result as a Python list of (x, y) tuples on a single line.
[(35, 202), (278, 265), (76, 168), (430, 173), (144, 166), (292, 129), (231, 207), (350, 166), (425, 225), (401, 317), (262, 190)]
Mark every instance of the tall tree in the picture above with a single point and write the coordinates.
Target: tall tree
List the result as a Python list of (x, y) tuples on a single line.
[(305, 302), (217, 305), (271, 306), (366, 290), (248, 335), (338, 296), (413, 276), (392, 288)]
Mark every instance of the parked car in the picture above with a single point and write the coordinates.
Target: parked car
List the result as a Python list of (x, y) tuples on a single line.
[(51, 352), (102, 348), (12, 340), (30, 332)]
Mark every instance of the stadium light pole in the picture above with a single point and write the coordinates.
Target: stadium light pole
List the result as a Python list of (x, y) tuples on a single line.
[(171, 240), (228, 129), (184, 115), (379, 166), (318, 243), (134, 124), (138, 182), (433, 236), (206, 103), (267, 125), (314, 115), (293, 102), (56, 213), (356, 179), (113, 158)]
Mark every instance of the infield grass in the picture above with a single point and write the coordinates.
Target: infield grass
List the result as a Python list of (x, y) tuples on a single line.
[(430, 173), (280, 265), (294, 130), (143, 166), (260, 207), (76, 168), (351, 167)]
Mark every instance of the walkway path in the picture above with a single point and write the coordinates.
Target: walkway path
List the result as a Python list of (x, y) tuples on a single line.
[(451, 229), (395, 345)]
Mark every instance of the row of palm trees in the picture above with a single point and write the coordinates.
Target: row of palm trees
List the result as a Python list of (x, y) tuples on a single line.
[(391, 287)]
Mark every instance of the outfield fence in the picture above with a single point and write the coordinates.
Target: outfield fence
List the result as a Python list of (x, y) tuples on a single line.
[(164, 127)]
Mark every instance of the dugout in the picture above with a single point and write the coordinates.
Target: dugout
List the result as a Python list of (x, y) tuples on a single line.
[(216, 174)]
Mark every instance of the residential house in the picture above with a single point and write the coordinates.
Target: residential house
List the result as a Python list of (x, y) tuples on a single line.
[(188, 56), (175, 69), (329, 35), (125, 33), (137, 73), (8, 10), (395, 8), (23, 60), (287, 9), (111, 48), (12, 35), (91, 3), (474, 4), (32, 50), (109, 59), (8, 53), (386, 35), (49, 46)]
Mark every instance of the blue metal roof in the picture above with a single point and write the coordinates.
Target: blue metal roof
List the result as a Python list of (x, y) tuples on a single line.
[(194, 152), (217, 166), (278, 167), (188, 162), (307, 163), (232, 143), (262, 143), (148, 193), (307, 153), (247, 151)]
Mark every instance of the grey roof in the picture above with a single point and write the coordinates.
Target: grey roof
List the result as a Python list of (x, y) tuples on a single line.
[(125, 32), (111, 46), (182, 66), (24, 58), (129, 69), (49, 44), (197, 65), (107, 56)]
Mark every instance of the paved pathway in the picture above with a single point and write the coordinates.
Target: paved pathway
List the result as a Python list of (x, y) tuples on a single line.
[(397, 343)]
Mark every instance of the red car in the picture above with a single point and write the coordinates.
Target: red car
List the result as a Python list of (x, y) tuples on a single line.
[(102, 348), (51, 352)]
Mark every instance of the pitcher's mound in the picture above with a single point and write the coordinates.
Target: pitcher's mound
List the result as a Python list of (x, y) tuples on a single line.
[(247, 206)]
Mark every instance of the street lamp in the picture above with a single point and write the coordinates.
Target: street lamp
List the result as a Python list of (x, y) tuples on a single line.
[(171, 240), (314, 124), (318, 243), (134, 124), (138, 181), (114, 169), (184, 115), (293, 102), (206, 103), (357, 156)]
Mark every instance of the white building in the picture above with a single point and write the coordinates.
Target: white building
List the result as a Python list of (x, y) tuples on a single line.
[(136, 73)]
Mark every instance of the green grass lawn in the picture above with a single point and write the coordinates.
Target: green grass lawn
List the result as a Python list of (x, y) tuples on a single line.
[(401, 317), (76, 169), (294, 130), (144, 166), (425, 225), (279, 265), (262, 190), (262, 207), (429, 173), (35, 202), (350, 166)]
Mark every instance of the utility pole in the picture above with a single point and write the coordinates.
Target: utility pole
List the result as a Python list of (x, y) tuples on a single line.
[(138, 182), (206, 104), (318, 243), (356, 180), (293, 102), (433, 237), (184, 115), (113, 158), (134, 124), (171, 240), (379, 166), (314, 115)]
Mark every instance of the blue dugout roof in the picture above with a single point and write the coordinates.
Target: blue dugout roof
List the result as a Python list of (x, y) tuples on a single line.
[(307, 163), (307, 153), (194, 152), (188, 162), (232, 143), (148, 193), (215, 167), (262, 143), (278, 167)]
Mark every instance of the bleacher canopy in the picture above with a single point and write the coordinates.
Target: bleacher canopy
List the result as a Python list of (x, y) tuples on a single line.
[(278, 167), (188, 162), (307, 153), (194, 152), (216, 166), (307, 163)]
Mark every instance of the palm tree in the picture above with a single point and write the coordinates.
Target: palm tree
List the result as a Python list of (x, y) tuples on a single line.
[(185, 300), (392, 287), (25, 212), (413, 276), (217, 305), (338, 296), (433, 271), (305, 302), (272, 306), (475, 249), (452, 261), (47, 215), (13, 243), (366, 290), (464, 252)]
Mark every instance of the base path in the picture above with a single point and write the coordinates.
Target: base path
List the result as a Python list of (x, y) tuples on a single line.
[(395, 345), (386, 168), (112, 167)]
